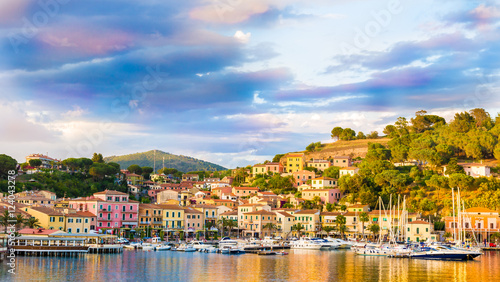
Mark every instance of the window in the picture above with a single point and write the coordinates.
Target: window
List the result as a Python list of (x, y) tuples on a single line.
[(70, 220), (179, 214), (69, 230), (116, 215), (124, 199), (130, 207), (117, 199), (86, 220), (85, 230), (78, 220), (166, 213), (123, 217), (110, 198), (116, 207), (130, 216), (109, 224), (100, 215), (78, 230), (52, 219), (123, 208), (100, 207), (100, 224)]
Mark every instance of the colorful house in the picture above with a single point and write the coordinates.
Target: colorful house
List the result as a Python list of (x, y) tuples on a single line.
[(342, 161), (302, 176), (310, 220), (323, 182), (172, 217), (319, 164), (255, 221), (49, 218), (482, 221), (327, 196), (295, 162), (275, 168), (258, 169), (150, 216), (245, 191), (80, 222), (352, 170)]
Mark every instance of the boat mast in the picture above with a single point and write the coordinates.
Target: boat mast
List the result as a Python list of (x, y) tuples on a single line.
[(453, 217)]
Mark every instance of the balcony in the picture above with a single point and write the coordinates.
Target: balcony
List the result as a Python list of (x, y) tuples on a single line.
[(129, 211), (104, 219)]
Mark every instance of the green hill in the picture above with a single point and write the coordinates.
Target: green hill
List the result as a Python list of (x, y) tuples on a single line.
[(179, 162)]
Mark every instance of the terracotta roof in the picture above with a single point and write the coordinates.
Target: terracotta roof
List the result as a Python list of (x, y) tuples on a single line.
[(330, 213), (169, 207), (357, 206), (230, 213), (133, 174), (47, 211), (341, 157), (148, 206), (273, 164), (82, 214), (191, 210), (246, 188), (307, 211), (285, 214), (294, 155), (259, 165), (205, 206), (261, 212), (40, 231), (267, 193), (110, 192)]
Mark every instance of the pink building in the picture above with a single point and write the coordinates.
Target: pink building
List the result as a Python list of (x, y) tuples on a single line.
[(275, 167), (327, 196), (113, 209), (302, 176)]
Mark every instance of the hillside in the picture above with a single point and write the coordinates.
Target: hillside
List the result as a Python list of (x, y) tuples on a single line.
[(179, 162), (353, 148)]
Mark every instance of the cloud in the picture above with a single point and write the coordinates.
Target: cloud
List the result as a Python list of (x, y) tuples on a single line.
[(242, 37)]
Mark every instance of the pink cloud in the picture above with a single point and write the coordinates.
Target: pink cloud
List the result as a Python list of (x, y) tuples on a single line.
[(12, 11), (86, 41), (230, 12)]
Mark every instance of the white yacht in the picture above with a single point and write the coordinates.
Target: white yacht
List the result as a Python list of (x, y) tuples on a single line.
[(305, 243), (342, 244), (199, 246)]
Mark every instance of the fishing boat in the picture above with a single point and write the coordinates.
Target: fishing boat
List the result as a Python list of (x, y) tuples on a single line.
[(305, 243)]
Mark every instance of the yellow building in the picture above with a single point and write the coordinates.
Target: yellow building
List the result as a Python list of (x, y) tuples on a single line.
[(295, 162), (254, 222), (210, 212), (258, 169), (48, 218), (150, 216), (134, 179), (172, 217), (80, 222), (419, 230), (310, 220)]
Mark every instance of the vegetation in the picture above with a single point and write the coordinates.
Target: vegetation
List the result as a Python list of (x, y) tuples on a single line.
[(181, 163), (7, 163)]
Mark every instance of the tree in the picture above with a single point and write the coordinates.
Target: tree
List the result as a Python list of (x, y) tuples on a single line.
[(4, 220), (363, 217), (35, 162), (447, 235), (135, 169), (271, 227), (453, 167), (328, 229), (341, 221), (332, 172), (372, 135), (298, 228), (361, 135), (391, 131), (343, 207), (374, 228), (496, 153), (463, 122), (20, 221), (348, 134), (277, 158), (336, 132), (330, 207), (483, 118), (147, 169), (97, 158), (7, 163), (33, 222)]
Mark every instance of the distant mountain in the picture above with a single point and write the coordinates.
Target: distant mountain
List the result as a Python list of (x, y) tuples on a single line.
[(179, 162)]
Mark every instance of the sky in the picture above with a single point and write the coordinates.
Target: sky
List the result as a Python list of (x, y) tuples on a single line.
[(234, 82)]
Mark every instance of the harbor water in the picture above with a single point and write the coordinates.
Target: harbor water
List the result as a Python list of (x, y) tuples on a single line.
[(299, 265)]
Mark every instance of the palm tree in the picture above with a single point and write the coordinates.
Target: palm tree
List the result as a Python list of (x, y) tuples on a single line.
[(363, 217), (20, 221), (231, 224), (33, 222), (208, 225), (270, 226), (4, 219), (374, 228), (343, 229), (494, 237), (341, 221), (298, 228), (328, 229), (222, 223)]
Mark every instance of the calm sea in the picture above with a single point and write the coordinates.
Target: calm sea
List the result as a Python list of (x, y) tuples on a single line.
[(299, 265)]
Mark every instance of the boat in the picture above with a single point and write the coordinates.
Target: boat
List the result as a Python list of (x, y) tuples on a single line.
[(198, 245), (305, 243), (325, 245), (186, 248), (370, 250), (210, 249), (444, 253), (147, 247), (228, 249), (163, 248), (342, 244)]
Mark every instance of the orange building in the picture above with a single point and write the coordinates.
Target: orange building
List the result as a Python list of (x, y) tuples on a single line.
[(481, 221)]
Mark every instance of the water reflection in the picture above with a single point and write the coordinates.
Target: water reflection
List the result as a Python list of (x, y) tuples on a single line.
[(300, 265)]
